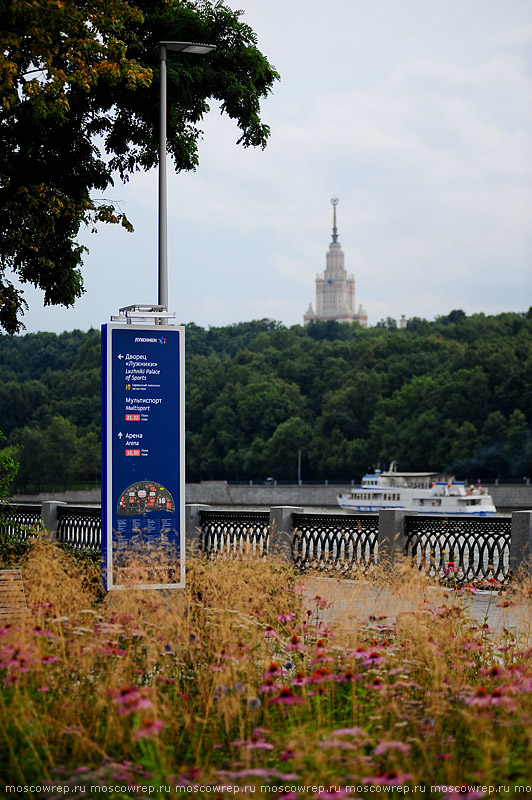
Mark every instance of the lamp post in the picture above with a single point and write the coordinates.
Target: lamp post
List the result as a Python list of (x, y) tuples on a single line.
[(182, 47)]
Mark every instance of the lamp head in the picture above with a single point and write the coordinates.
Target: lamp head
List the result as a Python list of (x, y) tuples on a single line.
[(189, 47)]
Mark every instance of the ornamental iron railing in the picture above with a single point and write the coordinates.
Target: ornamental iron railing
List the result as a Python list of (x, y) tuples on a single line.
[(333, 543), (235, 534), (460, 550), (79, 527), (20, 521), (453, 550)]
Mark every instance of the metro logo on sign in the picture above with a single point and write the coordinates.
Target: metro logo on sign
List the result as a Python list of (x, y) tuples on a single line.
[(143, 459)]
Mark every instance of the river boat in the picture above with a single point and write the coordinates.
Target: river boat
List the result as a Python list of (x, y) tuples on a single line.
[(425, 492)]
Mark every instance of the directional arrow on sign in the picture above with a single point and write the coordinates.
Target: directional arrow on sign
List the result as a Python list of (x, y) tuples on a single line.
[(120, 435), (120, 356)]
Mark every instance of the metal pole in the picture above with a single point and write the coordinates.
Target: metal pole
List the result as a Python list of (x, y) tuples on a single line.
[(163, 243)]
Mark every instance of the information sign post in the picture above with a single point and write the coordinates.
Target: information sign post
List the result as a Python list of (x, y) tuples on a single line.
[(143, 463)]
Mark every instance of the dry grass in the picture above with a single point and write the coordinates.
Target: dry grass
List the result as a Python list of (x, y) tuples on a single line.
[(241, 680)]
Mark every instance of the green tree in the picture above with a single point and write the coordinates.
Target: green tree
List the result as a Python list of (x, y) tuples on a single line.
[(463, 446), (283, 447), (8, 468), (517, 441), (31, 455), (264, 403), (74, 75), (61, 445), (86, 464)]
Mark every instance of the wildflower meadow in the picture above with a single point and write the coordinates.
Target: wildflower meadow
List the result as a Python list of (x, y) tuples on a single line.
[(244, 683)]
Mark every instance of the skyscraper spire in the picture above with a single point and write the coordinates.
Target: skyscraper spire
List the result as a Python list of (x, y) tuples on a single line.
[(335, 289), (334, 203)]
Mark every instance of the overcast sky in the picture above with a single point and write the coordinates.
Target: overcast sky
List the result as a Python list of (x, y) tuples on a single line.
[(416, 114)]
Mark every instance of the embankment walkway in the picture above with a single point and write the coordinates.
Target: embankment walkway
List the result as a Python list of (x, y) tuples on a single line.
[(352, 603)]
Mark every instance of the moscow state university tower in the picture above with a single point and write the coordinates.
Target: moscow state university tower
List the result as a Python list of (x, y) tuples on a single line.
[(335, 289)]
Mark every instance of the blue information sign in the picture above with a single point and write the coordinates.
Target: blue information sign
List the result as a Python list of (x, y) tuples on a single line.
[(143, 470)]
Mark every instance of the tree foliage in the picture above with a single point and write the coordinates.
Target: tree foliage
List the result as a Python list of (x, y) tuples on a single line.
[(79, 103), (453, 394)]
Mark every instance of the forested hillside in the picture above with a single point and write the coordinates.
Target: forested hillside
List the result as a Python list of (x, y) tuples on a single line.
[(454, 393)]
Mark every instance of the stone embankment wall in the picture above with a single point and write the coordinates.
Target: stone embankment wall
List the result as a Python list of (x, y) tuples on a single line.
[(222, 493), (511, 496), (219, 493), (90, 497)]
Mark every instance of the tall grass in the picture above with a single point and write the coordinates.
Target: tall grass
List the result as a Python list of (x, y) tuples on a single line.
[(242, 680)]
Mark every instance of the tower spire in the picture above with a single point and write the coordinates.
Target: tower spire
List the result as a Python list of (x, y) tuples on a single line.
[(334, 203)]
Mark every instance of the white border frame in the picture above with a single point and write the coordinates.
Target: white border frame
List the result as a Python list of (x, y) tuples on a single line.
[(180, 329)]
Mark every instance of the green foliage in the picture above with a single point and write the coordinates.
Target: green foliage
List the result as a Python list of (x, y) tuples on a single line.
[(8, 469), (50, 404), (434, 395), (455, 393), (79, 100)]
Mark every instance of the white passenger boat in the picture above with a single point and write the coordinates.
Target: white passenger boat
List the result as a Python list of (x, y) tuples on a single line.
[(425, 492)]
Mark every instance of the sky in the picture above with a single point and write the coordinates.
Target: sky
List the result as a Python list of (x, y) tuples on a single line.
[(416, 114)]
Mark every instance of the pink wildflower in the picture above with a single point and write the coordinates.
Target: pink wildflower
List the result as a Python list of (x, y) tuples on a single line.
[(299, 680), (295, 644), (349, 732), (273, 669), (49, 659), (320, 659), (374, 658), (484, 698), (360, 652), (130, 700), (451, 568), (286, 617), (112, 650), (339, 743), (40, 632), (149, 729), (321, 674), (269, 685), (491, 583), (259, 744), (472, 646), (16, 659), (349, 677), (385, 746), (287, 698)]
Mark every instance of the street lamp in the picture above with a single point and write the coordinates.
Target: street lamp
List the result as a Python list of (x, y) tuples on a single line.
[(182, 47)]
